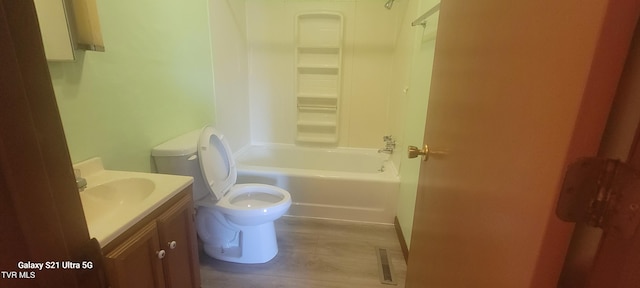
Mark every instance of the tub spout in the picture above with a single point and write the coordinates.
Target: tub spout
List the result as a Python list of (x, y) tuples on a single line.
[(386, 150)]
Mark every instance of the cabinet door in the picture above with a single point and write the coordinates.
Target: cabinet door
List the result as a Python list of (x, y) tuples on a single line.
[(136, 262), (178, 237), (56, 38)]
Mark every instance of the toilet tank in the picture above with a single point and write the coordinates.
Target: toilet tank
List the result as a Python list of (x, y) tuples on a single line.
[(179, 156)]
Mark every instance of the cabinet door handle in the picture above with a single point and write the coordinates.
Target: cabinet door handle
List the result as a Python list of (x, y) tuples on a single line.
[(172, 245), (161, 254)]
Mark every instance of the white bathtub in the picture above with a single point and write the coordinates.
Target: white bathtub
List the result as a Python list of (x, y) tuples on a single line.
[(343, 183)]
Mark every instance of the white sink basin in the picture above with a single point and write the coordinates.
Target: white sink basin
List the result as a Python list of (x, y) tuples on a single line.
[(126, 191), (102, 200), (116, 200)]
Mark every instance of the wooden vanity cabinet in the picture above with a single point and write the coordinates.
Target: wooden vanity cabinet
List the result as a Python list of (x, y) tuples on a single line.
[(135, 262), (159, 251), (178, 237)]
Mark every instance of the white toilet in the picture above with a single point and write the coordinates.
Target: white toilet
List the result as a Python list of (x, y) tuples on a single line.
[(235, 222)]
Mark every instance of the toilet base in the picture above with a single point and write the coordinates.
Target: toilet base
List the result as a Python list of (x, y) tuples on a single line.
[(258, 244)]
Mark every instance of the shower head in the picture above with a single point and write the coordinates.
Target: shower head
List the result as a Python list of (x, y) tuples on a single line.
[(389, 4)]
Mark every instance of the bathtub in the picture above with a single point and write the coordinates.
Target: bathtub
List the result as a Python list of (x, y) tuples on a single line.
[(342, 183)]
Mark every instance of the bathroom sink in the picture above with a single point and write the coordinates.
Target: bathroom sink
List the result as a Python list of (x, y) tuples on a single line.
[(102, 200), (114, 201), (125, 191)]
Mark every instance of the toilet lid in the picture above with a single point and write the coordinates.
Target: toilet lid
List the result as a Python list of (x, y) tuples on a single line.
[(216, 162)]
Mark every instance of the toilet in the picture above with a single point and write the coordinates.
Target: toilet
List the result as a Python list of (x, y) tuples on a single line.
[(234, 221)]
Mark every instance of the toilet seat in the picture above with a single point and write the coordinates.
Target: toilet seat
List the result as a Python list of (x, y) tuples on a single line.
[(254, 199), (242, 195), (216, 162), (220, 174)]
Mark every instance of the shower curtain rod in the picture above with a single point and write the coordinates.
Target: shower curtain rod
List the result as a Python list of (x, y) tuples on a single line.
[(420, 20)]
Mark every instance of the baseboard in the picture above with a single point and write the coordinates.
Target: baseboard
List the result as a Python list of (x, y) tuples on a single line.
[(403, 242)]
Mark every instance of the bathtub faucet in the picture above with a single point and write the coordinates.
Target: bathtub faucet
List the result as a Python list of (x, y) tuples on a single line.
[(389, 144)]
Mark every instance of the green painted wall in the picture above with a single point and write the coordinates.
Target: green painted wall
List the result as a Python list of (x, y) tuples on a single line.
[(154, 82), (419, 98), (415, 113)]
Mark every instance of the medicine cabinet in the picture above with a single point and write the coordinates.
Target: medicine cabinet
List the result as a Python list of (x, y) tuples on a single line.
[(67, 25)]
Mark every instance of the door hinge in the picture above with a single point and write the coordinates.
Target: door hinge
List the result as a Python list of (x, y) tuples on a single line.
[(603, 193)]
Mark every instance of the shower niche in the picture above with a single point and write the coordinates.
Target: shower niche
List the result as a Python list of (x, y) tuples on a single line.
[(318, 76)]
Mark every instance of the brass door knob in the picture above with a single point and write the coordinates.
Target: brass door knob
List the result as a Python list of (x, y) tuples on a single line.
[(413, 152)]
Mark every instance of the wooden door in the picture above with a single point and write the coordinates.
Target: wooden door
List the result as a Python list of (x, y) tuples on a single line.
[(42, 217), (519, 89), (620, 141), (136, 262), (617, 260), (178, 237)]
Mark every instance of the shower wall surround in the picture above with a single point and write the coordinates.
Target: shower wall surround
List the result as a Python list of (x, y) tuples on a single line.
[(227, 20), (369, 37)]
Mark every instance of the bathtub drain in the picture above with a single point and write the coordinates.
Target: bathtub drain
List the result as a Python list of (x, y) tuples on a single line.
[(385, 268)]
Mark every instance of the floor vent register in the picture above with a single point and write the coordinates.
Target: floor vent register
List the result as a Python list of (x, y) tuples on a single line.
[(385, 268)]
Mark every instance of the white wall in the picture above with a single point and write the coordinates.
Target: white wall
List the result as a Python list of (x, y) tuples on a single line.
[(369, 40), (230, 66)]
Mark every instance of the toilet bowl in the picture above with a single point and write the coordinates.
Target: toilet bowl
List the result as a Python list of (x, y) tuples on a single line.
[(234, 221)]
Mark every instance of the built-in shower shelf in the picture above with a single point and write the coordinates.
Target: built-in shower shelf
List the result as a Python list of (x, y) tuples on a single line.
[(318, 107), (330, 49), (317, 123), (318, 76), (322, 57), (320, 96), (329, 69), (319, 29), (317, 139)]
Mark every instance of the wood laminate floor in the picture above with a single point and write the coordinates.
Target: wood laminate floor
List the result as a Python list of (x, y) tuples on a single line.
[(314, 253)]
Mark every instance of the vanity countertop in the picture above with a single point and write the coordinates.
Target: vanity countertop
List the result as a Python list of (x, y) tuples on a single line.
[(114, 201)]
